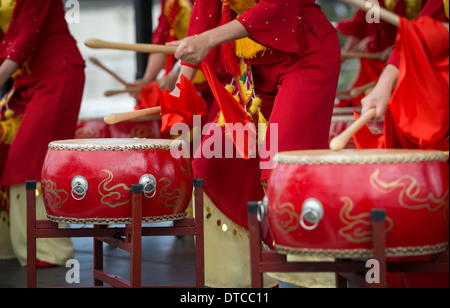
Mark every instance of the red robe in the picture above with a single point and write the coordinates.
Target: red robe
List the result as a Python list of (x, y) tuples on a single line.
[(296, 79), (50, 89), (380, 36)]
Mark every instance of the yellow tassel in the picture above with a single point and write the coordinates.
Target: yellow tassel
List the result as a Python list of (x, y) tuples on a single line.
[(262, 129), (221, 120), (248, 48), (230, 88), (257, 101), (9, 113), (254, 109), (237, 98), (8, 129)]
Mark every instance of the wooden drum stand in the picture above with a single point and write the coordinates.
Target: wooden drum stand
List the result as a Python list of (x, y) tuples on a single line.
[(347, 270), (128, 238)]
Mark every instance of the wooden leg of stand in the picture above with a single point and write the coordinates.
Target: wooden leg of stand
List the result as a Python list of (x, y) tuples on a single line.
[(379, 245), (31, 232), (136, 236), (98, 258), (255, 245), (199, 235)]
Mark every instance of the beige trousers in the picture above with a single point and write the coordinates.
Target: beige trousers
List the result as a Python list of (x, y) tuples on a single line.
[(13, 238)]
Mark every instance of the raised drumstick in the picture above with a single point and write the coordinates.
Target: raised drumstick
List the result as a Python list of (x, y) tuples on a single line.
[(340, 141), (127, 90), (115, 118), (99, 64), (144, 48), (352, 55), (385, 14)]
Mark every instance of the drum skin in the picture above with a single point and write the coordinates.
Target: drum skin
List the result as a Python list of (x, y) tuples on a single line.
[(110, 167), (411, 185)]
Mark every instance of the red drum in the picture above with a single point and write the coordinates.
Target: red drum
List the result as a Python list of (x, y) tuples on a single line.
[(148, 127), (319, 202), (89, 181)]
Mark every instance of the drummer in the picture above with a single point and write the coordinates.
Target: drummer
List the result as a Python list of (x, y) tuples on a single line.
[(173, 25), (375, 37), (295, 67), (379, 98), (39, 53)]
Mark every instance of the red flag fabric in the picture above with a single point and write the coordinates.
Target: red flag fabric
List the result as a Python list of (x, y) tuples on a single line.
[(237, 121), (149, 96), (181, 109), (419, 105)]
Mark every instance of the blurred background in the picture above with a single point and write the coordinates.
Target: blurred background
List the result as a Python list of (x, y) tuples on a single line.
[(131, 21)]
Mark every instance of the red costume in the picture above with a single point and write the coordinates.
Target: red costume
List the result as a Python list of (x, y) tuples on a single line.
[(295, 74), (380, 35), (49, 88)]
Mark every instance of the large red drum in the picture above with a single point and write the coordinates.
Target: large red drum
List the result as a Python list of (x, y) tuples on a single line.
[(320, 202), (89, 181)]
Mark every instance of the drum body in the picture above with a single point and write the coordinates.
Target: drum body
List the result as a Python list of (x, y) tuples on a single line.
[(320, 202), (148, 127), (89, 180)]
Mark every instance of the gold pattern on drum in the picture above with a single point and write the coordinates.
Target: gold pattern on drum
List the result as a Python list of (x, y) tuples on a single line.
[(286, 219), (410, 194), (142, 131), (170, 198), (358, 228), (53, 197), (115, 196)]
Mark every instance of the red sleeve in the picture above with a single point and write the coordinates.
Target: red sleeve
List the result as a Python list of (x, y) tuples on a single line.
[(206, 15), (356, 26), (434, 9), (161, 33), (274, 24), (22, 38)]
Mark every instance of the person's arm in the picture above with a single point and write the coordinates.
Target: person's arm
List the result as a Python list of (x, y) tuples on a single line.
[(380, 96), (193, 49), (7, 69)]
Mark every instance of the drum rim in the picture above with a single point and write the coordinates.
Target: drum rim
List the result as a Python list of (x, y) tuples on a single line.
[(373, 156), (146, 144), (115, 221), (410, 251)]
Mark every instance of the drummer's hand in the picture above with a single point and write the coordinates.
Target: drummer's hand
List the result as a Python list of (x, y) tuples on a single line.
[(168, 82), (192, 49), (140, 83), (381, 95), (378, 99)]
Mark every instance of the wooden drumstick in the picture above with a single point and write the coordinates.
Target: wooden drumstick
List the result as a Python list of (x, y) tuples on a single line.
[(144, 48), (371, 56), (99, 64), (127, 90), (362, 89), (385, 14), (115, 118), (339, 142)]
